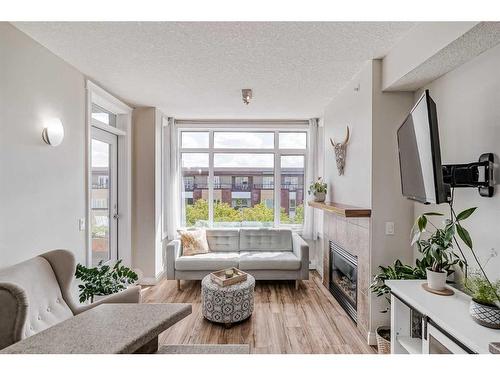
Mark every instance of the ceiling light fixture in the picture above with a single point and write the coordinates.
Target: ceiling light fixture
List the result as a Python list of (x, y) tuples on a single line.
[(247, 95)]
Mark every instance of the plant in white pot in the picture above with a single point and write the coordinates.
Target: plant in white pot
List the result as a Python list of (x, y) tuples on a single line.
[(437, 248), (485, 303), (318, 189)]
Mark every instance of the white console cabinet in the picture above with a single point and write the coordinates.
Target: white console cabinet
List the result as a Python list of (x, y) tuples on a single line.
[(447, 327)]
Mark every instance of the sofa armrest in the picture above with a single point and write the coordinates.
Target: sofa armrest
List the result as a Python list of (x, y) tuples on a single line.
[(13, 313), (172, 252), (301, 250), (130, 295)]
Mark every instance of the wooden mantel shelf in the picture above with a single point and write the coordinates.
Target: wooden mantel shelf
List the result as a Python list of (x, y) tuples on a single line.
[(341, 209)]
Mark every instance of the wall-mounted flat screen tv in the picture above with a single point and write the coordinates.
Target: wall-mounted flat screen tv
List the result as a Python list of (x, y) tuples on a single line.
[(420, 155)]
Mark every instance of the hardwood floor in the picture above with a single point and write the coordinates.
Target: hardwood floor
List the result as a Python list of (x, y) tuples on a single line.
[(285, 320)]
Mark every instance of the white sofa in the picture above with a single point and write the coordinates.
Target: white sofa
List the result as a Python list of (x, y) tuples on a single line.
[(265, 253)]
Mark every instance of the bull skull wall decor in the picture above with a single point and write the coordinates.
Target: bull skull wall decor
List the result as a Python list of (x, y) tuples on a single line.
[(340, 152)]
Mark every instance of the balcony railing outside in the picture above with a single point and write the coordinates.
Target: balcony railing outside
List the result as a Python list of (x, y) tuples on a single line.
[(242, 187)]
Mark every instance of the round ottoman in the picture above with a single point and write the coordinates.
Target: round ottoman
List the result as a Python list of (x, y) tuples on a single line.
[(229, 304)]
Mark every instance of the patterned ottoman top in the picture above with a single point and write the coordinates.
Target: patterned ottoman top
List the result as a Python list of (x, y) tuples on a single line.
[(207, 283)]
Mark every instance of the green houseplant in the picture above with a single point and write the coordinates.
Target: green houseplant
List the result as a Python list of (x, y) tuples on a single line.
[(485, 305), (437, 248), (318, 189), (397, 271), (103, 280)]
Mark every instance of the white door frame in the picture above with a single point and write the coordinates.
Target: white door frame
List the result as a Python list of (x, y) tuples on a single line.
[(123, 130)]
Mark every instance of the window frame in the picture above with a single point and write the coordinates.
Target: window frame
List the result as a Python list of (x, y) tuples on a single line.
[(276, 128)]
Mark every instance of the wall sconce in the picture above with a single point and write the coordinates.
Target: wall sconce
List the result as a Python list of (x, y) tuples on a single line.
[(246, 95), (53, 132)]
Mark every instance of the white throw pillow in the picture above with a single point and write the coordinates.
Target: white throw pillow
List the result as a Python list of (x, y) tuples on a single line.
[(194, 242)]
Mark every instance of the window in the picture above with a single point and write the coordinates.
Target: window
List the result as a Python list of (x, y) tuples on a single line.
[(292, 189), (228, 177), (194, 169), (102, 115), (194, 140), (293, 140), (239, 204), (249, 140), (267, 182)]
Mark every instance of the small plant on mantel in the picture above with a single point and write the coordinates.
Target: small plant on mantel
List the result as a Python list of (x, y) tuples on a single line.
[(318, 189), (103, 280)]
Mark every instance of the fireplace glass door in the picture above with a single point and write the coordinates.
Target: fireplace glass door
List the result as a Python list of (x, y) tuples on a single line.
[(344, 278)]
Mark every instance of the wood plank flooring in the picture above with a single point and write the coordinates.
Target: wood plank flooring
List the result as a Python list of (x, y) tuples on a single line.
[(285, 320)]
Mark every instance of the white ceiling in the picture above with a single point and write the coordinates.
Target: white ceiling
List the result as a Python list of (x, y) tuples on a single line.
[(197, 70)]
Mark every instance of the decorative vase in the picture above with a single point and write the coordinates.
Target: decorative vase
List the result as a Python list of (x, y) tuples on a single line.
[(319, 196), (436, 280), (383, 335), (485, 315)]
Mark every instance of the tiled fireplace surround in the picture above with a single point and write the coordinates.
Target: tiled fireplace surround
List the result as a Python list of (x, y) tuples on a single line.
[(353, 234)]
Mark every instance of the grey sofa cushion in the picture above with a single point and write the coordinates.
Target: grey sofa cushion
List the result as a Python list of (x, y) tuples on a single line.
[(223, 239), (207, 262), (268, 239), (269, 260)]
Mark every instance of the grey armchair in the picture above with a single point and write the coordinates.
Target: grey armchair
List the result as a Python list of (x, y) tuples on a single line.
[(37, 294)]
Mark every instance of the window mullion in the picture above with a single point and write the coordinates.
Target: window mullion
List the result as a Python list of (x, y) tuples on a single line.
[(277, 182), (211, 179)]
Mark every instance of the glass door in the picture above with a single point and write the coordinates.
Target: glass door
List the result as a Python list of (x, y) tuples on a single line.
[(104, 205)]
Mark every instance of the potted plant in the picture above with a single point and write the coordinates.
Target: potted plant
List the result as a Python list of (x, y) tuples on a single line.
[(437, 248), (318, 189), (484, 306), (103, 280), (398, 271)]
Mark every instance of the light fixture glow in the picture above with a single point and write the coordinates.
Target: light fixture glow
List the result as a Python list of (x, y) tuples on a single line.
[(53, 132)]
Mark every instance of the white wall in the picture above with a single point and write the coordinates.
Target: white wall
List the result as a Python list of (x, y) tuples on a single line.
[(352, 108), (42, 189), (372, 169), (146, 197), (468, 109), (388, 205)]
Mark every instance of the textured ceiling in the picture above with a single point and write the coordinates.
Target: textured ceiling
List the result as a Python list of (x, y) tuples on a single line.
[(197, 70), (474, 42)]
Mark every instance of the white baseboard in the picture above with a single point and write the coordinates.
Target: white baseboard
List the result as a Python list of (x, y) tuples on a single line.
[(312, 265), (372, 339), (149, 281)]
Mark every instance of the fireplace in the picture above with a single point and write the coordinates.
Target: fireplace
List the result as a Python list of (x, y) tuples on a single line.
[(343, 284)]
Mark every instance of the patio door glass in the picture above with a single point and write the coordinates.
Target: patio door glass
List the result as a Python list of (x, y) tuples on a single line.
[(104, 205)]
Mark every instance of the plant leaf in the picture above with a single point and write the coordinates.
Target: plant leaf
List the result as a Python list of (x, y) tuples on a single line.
[(464, 235), (422, 222), (466, 213)]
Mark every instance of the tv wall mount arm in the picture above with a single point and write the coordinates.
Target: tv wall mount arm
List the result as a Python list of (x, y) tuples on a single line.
[(476, 175)]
